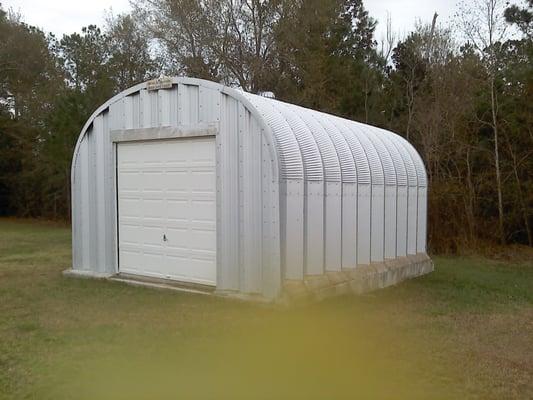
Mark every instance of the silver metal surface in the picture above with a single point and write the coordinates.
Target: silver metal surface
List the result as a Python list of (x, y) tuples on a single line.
[(299, 192)]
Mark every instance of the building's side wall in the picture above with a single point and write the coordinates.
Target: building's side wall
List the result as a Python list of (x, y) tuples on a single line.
[(93, 204), (248, 242)]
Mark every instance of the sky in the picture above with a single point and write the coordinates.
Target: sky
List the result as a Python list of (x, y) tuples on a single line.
[(67, 16)]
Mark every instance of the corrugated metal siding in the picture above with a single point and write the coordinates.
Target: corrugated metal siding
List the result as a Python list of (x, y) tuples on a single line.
[(422, 220), (344, 154), (412, 217), (349, 225), (399, 164), (362, 165), (387, 164), (401, 221), (291, 162), (312, 160), (228, 171), (328, 154), (377, 223), (376, 166), (250, 172), (334, 220), (325, 208), (364, 209), (412, 176), (391, 222)]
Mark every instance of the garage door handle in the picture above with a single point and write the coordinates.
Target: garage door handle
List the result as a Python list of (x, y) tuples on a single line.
[(164, 238)]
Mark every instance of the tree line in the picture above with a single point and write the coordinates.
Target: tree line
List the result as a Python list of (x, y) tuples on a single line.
[(461, 92)]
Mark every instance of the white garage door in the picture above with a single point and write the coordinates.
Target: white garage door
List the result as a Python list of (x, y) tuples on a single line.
[(167, 209)]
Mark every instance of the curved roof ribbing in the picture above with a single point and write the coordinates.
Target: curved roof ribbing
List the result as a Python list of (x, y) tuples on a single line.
[(346, 150), (316, 146)]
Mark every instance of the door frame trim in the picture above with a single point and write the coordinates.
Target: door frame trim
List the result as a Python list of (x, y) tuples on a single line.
[(162, 132)]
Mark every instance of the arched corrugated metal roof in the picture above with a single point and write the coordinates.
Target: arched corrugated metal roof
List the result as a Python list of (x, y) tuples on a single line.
[(314, 146), (399, 165), (362, 165), (330, 158), (389, 169), (342, 149), (364, 153), (312, 159), (290, 156)]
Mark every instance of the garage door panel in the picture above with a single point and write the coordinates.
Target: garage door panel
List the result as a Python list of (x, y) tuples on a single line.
[(191, 210), (192, 239), (202, 180), (129, 206), (167, 209), (130, 234), (152, 261), (142, 235), (131, 260), (152, 236), (153, 181), (197, 268), (128, 180), (153, 207), (202, 239), (203, 210)]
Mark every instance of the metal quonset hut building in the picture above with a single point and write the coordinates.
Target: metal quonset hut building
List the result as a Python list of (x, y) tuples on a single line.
[(187, 180)]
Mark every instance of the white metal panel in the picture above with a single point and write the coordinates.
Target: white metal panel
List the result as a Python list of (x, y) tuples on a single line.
[(92, 259), (377, 225), (76, 215), (422, 220), (349, 225), (401, 218), (86, 216), (145, 109), (229, 275), (314, 228), (250, 192), (293, 229), (364, 193), (412, 216), (167, 209), (110, 226), (188, 102), (100, 190), (209, 109), (390, 221), (117, 114), (271, 268), (333, 236)]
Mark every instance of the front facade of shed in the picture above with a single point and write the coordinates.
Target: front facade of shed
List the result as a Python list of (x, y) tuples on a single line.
[(190, 181)]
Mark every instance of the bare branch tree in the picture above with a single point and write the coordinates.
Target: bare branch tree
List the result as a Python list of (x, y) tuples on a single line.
[(483, 24)]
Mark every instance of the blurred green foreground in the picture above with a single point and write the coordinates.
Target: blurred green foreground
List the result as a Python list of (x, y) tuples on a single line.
[(465, 331)]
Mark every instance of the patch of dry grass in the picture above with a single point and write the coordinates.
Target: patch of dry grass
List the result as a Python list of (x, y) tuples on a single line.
[(465, 331)]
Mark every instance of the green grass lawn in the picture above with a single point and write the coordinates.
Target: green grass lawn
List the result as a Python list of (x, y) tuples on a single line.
[(464, 331)]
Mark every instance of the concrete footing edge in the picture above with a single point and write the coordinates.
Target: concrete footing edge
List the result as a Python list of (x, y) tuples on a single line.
[(362, 279)]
